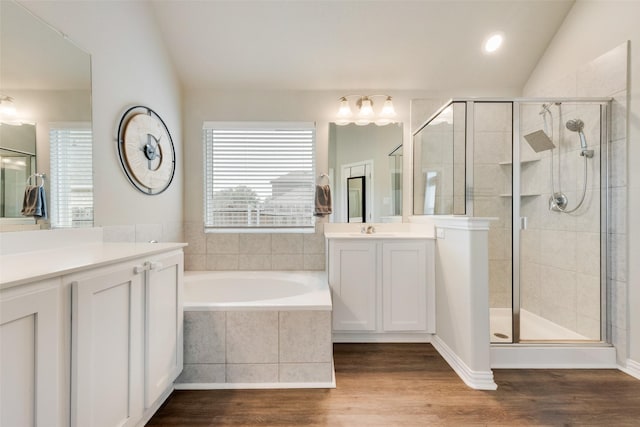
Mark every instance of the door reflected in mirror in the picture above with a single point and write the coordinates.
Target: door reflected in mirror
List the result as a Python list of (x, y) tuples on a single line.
[(356, 201), (373, 153)]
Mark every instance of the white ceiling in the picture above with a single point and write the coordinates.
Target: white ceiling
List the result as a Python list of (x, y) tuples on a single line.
[(324, 45)]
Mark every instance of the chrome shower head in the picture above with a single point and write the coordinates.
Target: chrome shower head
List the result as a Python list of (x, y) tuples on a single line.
[(575, 125)]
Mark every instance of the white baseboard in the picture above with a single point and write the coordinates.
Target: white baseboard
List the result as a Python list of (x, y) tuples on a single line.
[(377, 337), (237, 386), (510, 356), (150, 412), (479, 380), (632, 368)]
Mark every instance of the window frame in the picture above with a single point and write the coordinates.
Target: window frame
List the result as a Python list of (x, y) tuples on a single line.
[(253, 126), (55, 218)]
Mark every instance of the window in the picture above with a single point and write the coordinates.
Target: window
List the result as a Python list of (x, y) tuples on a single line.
[(71, 175), (259, 176)]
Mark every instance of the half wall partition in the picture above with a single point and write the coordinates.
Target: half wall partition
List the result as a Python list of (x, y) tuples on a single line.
[(539, 166)]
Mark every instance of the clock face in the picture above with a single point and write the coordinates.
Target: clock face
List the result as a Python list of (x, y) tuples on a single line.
[(146, 150)]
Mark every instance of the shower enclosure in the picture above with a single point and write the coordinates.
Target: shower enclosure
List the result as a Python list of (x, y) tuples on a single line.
[(539, 167)]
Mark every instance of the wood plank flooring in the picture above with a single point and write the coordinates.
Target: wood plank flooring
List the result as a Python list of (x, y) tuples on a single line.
[(411, 385)]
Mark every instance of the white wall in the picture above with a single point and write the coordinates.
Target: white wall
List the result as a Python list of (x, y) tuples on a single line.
[(590, 29), (130, 66)]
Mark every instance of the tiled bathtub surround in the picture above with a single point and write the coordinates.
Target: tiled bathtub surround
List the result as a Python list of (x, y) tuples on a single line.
[(288, 347), (167, 232), (253, 251)]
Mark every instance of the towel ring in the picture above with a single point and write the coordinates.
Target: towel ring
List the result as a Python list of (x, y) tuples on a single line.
[(323, 175), (36, 176)]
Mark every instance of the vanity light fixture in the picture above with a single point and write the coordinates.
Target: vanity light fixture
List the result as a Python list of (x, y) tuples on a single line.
[(7, 108), (365, 112)]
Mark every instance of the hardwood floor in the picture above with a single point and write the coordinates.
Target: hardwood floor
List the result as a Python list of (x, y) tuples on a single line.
[(411, 385)]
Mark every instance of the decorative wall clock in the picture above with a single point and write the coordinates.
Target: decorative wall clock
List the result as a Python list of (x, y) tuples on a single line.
[(146, 150)]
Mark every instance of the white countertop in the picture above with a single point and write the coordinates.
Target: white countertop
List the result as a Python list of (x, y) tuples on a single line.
[(378, 235), (25, 267)]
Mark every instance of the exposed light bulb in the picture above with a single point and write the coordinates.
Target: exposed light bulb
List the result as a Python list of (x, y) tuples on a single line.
[(366, 108), (6, 106), (344, 110)]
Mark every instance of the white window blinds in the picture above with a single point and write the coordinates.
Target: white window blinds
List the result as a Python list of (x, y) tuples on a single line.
[(259, 175), (71, 175)]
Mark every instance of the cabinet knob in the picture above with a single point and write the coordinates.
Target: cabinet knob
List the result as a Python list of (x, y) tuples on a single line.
[(154, 265), (138, 269)]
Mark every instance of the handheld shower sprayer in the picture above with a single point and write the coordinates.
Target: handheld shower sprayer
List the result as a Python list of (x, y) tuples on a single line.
[(577, 125)]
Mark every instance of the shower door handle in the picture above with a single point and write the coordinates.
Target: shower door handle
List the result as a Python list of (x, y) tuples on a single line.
[(523, 222)]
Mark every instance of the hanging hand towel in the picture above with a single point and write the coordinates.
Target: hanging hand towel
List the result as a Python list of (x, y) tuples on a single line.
[(323, 204), (34, 202)]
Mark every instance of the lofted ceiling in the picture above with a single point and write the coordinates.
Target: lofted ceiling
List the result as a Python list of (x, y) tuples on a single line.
[(326, 45)]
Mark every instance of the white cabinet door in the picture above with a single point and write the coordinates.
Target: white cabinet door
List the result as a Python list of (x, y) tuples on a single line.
[(30, 351), (163, 324), (107, 327), (404, 286), (352, 276)]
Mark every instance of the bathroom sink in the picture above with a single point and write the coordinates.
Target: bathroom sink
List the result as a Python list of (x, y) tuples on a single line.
[(374, 234)]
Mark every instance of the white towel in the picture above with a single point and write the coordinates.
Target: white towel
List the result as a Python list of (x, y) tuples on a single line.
[(35, 202), (323, 204)]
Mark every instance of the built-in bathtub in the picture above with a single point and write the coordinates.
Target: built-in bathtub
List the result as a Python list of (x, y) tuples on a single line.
[(257, 329)]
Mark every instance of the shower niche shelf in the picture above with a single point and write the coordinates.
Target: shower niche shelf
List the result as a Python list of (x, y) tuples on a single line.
[(522, 162), (522, 195)]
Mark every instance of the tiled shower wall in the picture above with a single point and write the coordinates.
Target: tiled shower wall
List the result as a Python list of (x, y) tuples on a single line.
[(253, 251), (491, 192), (560, 253), (605, 76)]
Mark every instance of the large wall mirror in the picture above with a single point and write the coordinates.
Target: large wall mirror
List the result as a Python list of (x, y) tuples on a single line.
[(45, 122), (373, 153)]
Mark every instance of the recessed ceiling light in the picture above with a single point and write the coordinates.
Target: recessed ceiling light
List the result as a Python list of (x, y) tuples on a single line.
[(493, 42)]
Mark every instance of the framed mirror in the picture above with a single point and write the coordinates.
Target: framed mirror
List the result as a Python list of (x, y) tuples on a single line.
[(45, 122), (356, 200), (375, 153)]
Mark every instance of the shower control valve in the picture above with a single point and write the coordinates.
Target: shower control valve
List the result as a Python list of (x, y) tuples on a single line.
[(587, 153)]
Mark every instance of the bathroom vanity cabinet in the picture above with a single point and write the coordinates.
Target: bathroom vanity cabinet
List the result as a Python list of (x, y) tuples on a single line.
[(383, 288), (31, 354), (101, 339)]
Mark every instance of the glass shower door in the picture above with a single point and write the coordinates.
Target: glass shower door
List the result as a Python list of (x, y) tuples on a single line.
[(558, 297)]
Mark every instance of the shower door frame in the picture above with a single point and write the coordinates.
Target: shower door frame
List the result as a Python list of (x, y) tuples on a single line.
[(517, 219)]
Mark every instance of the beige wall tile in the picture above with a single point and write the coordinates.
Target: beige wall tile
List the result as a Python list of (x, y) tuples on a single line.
[(305, 336), (223, 243), (313, 243), (314, 262), (204, 337), (222, 262), (286, 243), (202, 373), (195, 262), (287, 262), (252, 337), (254, 262), (194, 235), (252, 373), (306, 372), (254, 243)]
